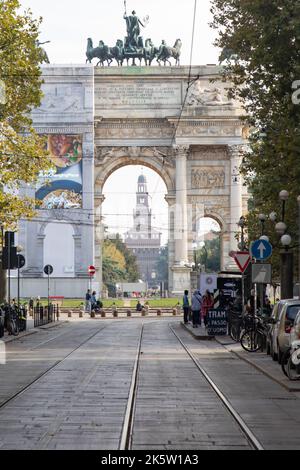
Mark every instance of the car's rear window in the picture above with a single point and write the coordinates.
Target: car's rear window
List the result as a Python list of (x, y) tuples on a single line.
[(292, 311)]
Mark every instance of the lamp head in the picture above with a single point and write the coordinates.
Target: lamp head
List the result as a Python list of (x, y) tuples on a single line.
[(286, 240), (283, 195), (262, 217), (280, 228)]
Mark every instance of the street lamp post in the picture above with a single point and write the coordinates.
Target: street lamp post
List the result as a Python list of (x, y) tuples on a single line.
[(203, 247), (286, 256), (242, 246), (287, 263)]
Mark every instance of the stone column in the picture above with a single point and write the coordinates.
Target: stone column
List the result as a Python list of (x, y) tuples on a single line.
[(181, 272), (99, 237), (236, 193)]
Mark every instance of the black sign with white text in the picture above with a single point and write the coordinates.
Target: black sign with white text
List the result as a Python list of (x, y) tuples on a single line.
[(217, 322)]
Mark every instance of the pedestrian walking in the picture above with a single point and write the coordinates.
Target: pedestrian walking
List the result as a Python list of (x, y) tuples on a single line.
[(186, 306), (88, 301), (93, 300), (196, 308), (207, 304)]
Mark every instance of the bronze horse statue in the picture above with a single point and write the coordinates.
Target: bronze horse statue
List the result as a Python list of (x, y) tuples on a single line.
[(166, 52), (101, 52), (117, 52), (150, 52)]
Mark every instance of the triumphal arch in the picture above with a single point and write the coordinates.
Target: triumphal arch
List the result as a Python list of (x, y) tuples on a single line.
[(176, 120), (181, 124)]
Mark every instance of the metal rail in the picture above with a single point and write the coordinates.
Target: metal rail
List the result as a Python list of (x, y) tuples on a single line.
[(37, 379), (126, 436), (243, 426)]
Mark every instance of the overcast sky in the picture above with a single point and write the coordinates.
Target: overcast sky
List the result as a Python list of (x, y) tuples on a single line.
[(68, 24)]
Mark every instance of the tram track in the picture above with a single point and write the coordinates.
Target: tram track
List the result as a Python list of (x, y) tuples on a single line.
[(251, 438), (50, 369), (128, 425)]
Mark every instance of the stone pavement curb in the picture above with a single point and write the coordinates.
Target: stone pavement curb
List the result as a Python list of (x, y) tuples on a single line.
[(258, 367), (198, 333), (267, 373), (9, 339)]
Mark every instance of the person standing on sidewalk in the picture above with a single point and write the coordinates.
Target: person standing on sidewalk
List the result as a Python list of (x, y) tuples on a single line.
[(186, 306), (88, 301), (207, 304), (196, 308)]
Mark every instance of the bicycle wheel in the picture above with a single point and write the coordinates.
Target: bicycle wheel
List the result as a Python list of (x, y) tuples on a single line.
[(251, 341), (234, 333), (13, 327), (284, 362)]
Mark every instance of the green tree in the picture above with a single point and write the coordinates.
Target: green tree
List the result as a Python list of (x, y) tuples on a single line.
[(210, 256), (132, 269), (118, 264), (22, 154), (265, 38)]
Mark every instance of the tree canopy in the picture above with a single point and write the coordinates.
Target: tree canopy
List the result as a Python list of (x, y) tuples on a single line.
[(22, 153), (264, 37)]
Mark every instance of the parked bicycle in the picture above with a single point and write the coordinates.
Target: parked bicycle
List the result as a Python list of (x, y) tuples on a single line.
[(254, 337), (11, 321)]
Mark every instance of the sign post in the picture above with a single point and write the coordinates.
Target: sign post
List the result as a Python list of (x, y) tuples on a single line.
[(261, 250), (242, 259), (92, 272), (48, 270), (21, 264)]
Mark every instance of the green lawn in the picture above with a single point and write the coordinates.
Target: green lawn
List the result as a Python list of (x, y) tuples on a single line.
[(158, 303), (153, 303)]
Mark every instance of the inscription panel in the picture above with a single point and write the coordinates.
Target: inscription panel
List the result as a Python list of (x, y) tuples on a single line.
[(137, 93)]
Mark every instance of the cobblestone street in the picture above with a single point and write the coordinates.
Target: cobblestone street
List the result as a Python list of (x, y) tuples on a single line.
[(67, 387)]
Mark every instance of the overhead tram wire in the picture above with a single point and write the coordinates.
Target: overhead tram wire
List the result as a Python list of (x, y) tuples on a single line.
[(187, 90)]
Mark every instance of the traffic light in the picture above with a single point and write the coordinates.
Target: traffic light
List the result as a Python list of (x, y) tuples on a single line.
[(9, 253), (9, 258)]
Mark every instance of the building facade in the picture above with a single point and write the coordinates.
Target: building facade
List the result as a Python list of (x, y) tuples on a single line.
[(143, 240), (99, 119)]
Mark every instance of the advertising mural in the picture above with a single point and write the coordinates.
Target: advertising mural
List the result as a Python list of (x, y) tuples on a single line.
[(61, 188)]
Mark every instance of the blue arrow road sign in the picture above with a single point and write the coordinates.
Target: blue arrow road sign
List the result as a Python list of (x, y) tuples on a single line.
[(261, 249)]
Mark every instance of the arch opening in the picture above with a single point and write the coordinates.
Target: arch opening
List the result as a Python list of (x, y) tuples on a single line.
[(134, 218)]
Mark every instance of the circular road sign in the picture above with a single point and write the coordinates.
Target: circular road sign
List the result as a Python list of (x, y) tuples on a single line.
[(92, 270), (48, 269), (261, 249), (21, 261)]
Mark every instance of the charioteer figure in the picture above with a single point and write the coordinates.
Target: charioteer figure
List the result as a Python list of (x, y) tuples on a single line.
[(133, 30)]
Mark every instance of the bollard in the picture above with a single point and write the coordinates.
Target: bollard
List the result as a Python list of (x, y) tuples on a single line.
[(174, 311), (70, 314), (93, 315), (128, 313), (102, 313), (159, 313), (115, 313), (144, 312), (81, 314)]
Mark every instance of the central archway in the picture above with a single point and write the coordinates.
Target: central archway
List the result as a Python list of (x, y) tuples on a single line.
[(109, 161)]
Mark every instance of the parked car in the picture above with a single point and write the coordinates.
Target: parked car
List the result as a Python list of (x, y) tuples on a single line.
[(282, 321), (271, 332), (295, 331)]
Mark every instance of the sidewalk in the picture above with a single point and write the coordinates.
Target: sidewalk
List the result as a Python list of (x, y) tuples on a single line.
[(261, 362), (30, 330), (199, 333)]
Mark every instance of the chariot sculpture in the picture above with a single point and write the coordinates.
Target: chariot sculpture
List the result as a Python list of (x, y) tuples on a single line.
[(133, 48)]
